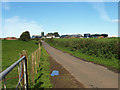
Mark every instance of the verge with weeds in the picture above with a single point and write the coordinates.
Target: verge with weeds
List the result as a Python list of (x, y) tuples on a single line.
[(42, 78)]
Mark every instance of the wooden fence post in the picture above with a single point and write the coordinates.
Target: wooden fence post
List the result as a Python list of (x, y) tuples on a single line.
[(24, 53), (22, 72), (38, 55), (39, 50), (35, 62), (33, 69)]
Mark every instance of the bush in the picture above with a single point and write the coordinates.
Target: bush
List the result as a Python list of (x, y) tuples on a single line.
[(25, 36)]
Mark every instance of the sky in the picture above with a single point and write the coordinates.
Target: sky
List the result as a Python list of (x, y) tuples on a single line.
[(61, 17)]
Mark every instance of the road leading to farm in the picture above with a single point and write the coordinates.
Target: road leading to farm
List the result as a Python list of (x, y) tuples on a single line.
[(89, 74)]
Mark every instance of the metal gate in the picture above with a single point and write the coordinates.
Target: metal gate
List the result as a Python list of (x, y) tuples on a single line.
[(22, 69)]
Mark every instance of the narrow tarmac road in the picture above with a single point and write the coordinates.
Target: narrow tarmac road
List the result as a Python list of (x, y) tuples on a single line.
[(89, 74)]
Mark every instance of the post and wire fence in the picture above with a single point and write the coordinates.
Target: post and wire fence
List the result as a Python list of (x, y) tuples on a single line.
[(33, 62), (27, 68)]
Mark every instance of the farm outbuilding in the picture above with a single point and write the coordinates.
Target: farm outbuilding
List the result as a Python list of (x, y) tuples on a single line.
[(87, 35), (99, 35), (71, 36), (95, 35), (36, 36), (10, 38)]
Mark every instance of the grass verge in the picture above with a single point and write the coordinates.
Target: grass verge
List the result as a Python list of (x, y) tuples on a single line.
[(42, 78)]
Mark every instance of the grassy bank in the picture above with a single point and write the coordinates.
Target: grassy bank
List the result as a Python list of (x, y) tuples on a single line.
[(102, 51), (42, 79), (10, 54)]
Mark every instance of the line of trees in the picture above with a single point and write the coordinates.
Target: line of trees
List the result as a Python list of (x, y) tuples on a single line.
[(55, 34)]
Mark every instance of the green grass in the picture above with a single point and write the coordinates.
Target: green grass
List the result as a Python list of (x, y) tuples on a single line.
[(10, 54), (82, 48), (42, 79)]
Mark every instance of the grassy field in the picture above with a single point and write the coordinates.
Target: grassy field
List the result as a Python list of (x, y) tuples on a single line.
[(10, 54), (102, 51)]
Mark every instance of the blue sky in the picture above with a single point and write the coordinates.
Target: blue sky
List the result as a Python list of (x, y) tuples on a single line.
[(62, 17)]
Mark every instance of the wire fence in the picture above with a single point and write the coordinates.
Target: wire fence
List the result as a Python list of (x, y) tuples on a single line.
[(33, 62)]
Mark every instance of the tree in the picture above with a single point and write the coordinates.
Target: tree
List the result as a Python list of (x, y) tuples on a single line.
[(56, 34), (50, 34), (25, 36)]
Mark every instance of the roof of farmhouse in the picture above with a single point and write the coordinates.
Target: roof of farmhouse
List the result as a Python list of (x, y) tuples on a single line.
[(36, 35)]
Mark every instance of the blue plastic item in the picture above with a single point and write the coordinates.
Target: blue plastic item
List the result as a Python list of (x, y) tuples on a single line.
[(55, 72)]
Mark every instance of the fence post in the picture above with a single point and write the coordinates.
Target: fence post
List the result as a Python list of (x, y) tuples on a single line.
[(4, 83), (35, 62), (33, 68), (39, 52), (24, 69)]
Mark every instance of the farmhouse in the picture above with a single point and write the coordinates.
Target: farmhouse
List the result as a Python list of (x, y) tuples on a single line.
[(2, 38), (50, 36), (10, 38)]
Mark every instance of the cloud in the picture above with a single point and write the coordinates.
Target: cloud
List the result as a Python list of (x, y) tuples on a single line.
[(6, 5), (14, 26), (100, 8), (116, 20)]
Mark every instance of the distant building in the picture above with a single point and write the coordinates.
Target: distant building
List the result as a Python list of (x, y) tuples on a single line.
[(2, 38), (99, 35), (50, 36), (87, 35), (114, 36), (36, 36), (56, 37), (76, 35), (10, 38), (63, 36), (71, 36), (95, 35), (104, 35)]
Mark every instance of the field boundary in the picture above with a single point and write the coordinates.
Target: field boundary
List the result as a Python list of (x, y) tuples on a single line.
[(33, 62)]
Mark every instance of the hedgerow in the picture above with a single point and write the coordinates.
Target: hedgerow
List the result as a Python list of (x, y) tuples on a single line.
[(104, 48)]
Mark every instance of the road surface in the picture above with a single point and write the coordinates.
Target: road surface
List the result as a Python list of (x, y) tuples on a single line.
[(89, 74)]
